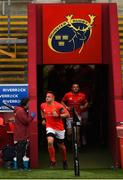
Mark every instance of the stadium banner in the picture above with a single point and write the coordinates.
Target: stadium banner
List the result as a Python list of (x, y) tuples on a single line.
[(72, 34), (12, 95)]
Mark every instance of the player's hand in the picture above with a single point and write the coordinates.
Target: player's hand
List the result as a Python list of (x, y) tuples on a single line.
[(55, 114), (43, 122)]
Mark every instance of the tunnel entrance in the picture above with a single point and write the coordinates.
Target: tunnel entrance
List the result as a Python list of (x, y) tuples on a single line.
[(93, 81)]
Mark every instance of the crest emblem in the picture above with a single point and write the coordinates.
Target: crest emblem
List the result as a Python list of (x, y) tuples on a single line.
[(71, 34)]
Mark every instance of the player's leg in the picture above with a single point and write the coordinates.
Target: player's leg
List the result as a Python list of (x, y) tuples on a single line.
[(60, 135), (50, 141)]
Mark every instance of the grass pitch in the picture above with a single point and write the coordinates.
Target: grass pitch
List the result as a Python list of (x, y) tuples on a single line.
[(62, 174), (95, 163)]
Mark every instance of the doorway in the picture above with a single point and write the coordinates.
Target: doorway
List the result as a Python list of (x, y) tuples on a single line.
[(93, 81)]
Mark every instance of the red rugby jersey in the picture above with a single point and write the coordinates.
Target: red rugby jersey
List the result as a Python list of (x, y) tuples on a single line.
[(51, 121), (75, 100)]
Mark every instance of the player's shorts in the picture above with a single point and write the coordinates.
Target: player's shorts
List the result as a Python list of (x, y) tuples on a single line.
[(69, 122), (56, 133)]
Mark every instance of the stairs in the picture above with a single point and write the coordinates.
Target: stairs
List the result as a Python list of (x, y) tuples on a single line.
[(13, 69), (120, 22), (13, 50)]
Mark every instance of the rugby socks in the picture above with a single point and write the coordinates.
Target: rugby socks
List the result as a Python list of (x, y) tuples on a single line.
[(51, 151), (63, 151)]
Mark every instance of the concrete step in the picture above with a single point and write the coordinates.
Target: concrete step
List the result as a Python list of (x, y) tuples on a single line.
[(121, 34), (12, 73), (13, 66), (121, 40), (18, 47), (14, 17), (18, 35), (121, 46), (13, 70), (9, 60), (11, 79), (120, 28), (13, 29), (12, 41), (24, 23)]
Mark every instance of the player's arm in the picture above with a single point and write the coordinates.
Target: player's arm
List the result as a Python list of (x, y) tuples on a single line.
[(43, 118), (84, 105), (64, 113), (64, 104)]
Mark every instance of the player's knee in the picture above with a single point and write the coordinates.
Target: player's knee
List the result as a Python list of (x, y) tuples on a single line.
[(50, 143)]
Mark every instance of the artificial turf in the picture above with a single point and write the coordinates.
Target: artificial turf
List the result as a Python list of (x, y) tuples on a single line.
[(62, 174), (95, 163)]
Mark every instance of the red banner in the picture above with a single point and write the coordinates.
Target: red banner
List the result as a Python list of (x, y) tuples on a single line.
[(72, 34)]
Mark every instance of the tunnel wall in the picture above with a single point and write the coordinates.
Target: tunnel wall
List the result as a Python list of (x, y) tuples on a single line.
[(103, 49)]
